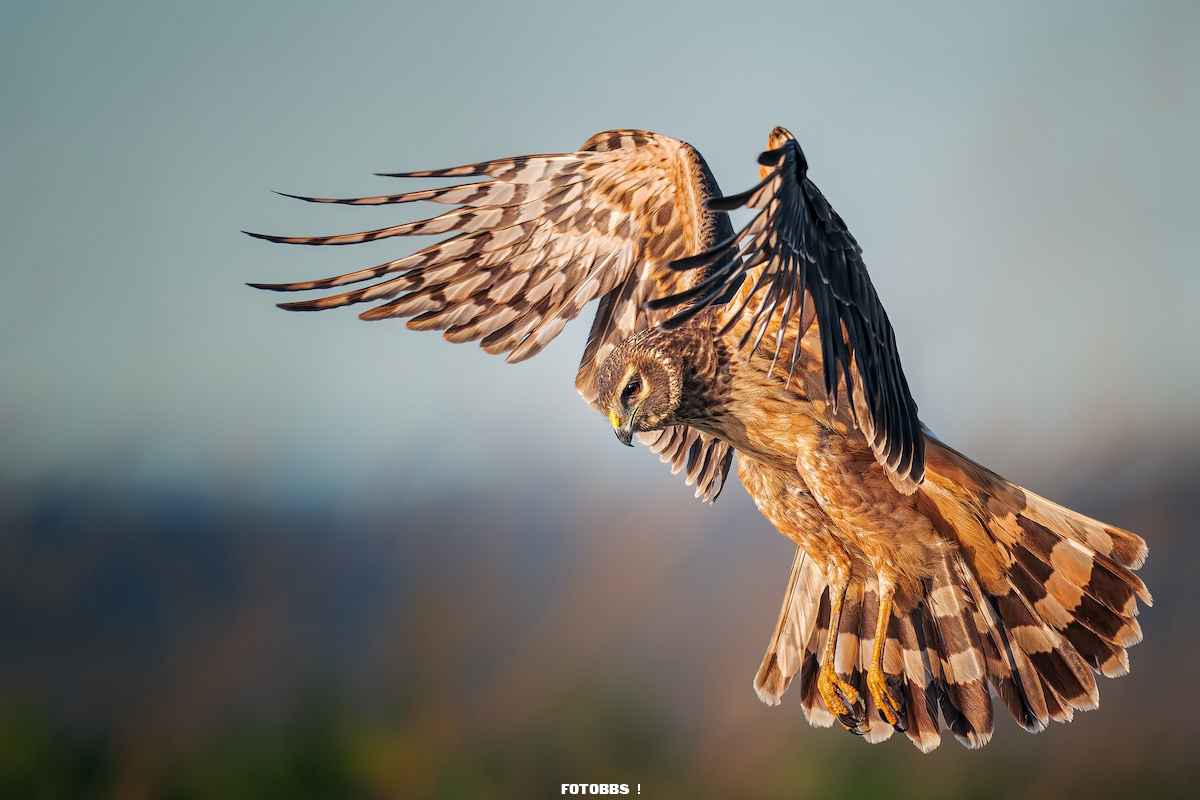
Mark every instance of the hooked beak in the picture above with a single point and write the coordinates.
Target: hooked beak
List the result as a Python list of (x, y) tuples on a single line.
[(624, 431)]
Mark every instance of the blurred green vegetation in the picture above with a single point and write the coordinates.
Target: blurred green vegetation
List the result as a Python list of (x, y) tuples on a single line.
[(590, 733), (42, 761), (327, 751)]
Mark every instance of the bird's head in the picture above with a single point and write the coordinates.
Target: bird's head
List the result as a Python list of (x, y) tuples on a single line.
[(640, 385)]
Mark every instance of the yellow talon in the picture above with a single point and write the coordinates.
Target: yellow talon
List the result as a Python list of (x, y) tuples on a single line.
[(838, 695), (881, 693)]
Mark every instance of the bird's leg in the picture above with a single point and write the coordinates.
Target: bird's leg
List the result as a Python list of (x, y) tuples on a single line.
[(877, 683), (840, 697)]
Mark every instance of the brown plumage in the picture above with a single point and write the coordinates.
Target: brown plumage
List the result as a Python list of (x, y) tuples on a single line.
[(922, 582), (985, 586)]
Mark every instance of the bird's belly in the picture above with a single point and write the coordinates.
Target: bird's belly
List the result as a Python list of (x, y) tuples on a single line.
[(889, 527), (783, 429)]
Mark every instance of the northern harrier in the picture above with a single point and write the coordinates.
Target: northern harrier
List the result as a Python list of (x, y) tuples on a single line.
[(922, 581)]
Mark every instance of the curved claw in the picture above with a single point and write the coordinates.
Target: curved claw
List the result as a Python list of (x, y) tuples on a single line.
[(852, 724), (887, 696), (857, 715), (896, 690), (856, 720), (842, 700)]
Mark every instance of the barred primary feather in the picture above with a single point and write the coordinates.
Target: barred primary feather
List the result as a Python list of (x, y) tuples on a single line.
[(535, 242)]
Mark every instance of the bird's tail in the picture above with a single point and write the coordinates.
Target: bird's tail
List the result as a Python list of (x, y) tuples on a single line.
[(913, 666), (1034, 601)]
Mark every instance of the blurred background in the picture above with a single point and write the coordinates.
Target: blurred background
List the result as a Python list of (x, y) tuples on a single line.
[(249, 554)]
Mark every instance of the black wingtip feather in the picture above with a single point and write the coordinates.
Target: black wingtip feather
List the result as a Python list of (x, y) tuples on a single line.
[(691, 262), (730, 203), (475, 170), (299, 197), (702, 259), (261, 236), (771, 158), (287, 239), (734, 201), (302, 305)]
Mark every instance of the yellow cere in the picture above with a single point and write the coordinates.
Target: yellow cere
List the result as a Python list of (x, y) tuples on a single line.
[(614, 418)]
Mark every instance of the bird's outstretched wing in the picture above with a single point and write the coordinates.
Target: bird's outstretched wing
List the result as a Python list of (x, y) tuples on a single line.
[(798, 251), (533, 242)]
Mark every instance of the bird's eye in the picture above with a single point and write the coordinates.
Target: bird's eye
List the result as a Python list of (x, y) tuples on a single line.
[(632, 387)]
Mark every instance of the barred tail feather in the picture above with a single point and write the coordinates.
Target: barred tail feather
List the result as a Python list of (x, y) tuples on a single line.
[(950, 625), (1053, 594), (1033, 603), (919, 682), (793, 631), (810, 699), (874, 728)]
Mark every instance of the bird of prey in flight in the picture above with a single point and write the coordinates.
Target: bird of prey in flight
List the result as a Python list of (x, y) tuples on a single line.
[(922, 583)]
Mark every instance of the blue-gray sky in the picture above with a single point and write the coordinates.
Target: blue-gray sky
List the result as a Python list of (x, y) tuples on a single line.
[(1023, 180)]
